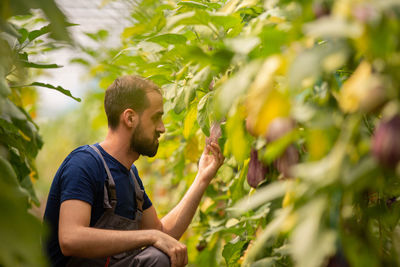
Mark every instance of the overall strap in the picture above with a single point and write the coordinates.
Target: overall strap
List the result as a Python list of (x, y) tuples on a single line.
[(138, 192), (109, 185)]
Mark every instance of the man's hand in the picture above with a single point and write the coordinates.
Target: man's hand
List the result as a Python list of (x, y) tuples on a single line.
[(210, 161), (176, 251)]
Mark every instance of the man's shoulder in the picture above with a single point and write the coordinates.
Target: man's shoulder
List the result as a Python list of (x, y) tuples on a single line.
[(82, 165), (82, 156)]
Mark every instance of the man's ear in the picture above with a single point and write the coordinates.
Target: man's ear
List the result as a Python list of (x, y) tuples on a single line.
[(130, 118)]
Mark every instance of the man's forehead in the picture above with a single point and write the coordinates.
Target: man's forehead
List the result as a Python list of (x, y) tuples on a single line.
[(156, 102)]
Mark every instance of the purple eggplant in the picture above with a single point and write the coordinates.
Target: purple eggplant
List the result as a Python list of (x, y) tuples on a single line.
[(257, 170), (386, 142), (289, 158)]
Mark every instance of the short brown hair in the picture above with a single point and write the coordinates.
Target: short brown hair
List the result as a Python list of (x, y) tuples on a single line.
[(127, 92)]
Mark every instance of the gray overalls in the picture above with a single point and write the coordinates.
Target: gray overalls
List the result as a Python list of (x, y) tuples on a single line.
[(149, 256)]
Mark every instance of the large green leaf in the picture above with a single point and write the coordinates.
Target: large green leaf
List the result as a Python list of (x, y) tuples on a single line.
[(58, 88), (20, 231)]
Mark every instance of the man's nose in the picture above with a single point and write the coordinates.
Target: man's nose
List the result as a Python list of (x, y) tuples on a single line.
[(161, 128)]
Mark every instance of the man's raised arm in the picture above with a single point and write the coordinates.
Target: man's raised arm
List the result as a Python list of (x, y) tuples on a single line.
[(178, 219)]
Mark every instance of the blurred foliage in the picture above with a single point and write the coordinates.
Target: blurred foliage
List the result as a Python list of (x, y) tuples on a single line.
[(23, 34), (331, 68), (302, 82)]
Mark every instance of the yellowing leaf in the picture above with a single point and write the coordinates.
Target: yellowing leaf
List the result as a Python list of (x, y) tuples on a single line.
[(276, 19), (97, 69), (167, 148), (318, 144), (131, 31), (288, 198), (189, 122), (354, 90), (275, 105), (260, 91), (237, 143), (192, 150)]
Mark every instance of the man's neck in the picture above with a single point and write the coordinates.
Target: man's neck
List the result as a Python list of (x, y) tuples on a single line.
[(119, 148)]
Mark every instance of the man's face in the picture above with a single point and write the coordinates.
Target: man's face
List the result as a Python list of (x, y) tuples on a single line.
[(144, 138)]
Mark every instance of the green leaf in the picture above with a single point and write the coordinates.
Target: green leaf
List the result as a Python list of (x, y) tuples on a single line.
[(4, 88), (28, 64), (233, 251), (23, 35), (237, 189), (270, 231), (7, 173), (160, 80), (179, 103), (26, 183), (168, 38), (37, 33), (203, 113), (58, 88), (200, 17), (225, 21), (272, 41), (192, 4), (80, 61), (100, 35)]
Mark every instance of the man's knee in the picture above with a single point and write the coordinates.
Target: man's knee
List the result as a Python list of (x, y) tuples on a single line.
[(153, 257)]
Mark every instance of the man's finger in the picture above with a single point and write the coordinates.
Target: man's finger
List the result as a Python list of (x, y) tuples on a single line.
[(172, 257), (221, 158), (216, 146), (215, 150), (186, 257), (207, 149)]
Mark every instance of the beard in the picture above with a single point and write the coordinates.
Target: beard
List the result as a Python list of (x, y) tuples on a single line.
[(143, 145)]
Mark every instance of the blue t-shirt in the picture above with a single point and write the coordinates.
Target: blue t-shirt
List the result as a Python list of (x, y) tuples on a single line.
[(82, 176)]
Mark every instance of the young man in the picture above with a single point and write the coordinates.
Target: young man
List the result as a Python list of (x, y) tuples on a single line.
[(97, 206)]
